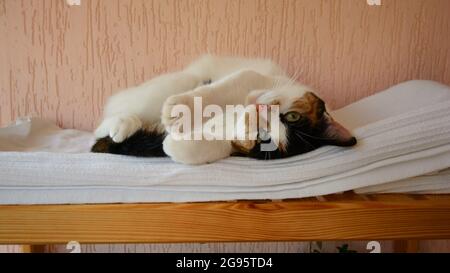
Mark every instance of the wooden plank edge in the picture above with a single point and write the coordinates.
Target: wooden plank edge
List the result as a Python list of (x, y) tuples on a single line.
[(225, 222)]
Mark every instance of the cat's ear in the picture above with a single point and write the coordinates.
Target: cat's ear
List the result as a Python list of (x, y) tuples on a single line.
[(253, 96), (336, 134)]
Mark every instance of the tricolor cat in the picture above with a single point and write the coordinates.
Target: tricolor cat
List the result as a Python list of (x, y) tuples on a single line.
[(138, 121)]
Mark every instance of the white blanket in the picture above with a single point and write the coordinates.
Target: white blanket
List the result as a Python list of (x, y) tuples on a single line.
[(404, 146)]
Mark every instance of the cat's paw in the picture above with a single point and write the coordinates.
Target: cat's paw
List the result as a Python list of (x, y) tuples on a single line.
[(170, 115), (119, 128)]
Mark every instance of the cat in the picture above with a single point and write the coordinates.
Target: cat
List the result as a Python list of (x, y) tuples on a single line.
[(137, 121)]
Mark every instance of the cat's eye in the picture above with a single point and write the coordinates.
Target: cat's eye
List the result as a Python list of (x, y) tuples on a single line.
[(292, 116)]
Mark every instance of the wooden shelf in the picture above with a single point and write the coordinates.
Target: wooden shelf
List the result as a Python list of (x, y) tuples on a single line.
[(334, 217)]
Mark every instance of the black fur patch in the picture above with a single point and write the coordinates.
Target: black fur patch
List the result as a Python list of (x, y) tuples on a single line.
[(302, 137), (141, 144)]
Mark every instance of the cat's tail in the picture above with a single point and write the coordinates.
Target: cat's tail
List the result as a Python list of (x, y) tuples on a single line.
[(142, 144)]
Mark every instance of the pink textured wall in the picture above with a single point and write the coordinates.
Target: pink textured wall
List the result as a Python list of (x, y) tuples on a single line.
[(62, 62)]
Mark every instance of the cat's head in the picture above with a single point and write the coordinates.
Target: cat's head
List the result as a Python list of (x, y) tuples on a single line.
[(304, 124)]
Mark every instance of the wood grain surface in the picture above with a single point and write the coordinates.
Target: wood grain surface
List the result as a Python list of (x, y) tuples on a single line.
[(244, 221), (61, 62)]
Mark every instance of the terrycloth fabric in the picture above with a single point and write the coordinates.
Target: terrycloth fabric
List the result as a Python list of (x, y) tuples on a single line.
[(403, 133), (432, 183)]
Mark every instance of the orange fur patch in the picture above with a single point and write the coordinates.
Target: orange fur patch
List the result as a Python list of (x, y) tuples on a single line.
[(307, 105)]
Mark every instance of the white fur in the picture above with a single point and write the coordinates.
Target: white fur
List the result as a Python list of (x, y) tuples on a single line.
[(196, 152), (234, 81)]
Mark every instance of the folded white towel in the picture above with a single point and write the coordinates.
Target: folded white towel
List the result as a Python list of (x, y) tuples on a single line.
[(403, 132), (433, 183)]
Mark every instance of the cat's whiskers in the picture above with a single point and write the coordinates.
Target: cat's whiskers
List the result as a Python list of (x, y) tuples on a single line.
[(293, 79), (278, 83), (314, 137), (304, 140)]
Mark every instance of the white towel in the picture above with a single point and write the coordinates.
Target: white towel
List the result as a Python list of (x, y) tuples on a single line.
[(433, 183), (403, 132)]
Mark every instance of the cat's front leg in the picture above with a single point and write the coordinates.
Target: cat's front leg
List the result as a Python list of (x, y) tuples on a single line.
[(127, 111), (169, 116), (231, 90), (119, 127)]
